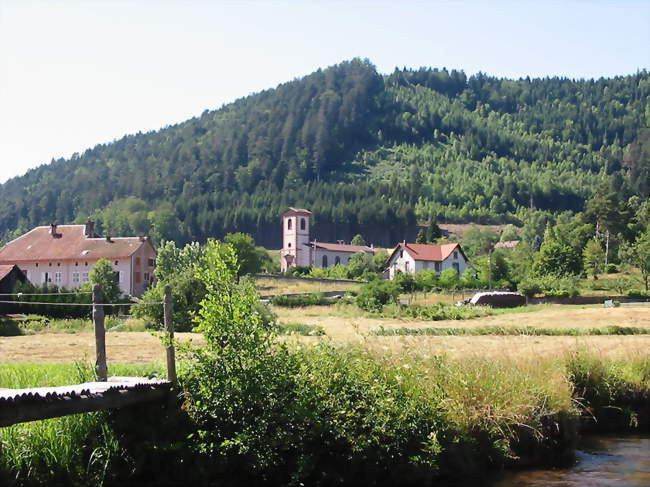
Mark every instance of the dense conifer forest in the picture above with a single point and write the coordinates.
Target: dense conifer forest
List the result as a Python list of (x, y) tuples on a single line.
[(367, 153)]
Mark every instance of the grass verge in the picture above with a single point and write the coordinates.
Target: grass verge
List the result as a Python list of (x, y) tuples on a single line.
[(509, 331)]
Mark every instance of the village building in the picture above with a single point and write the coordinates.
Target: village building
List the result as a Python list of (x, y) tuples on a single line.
[(10, 275), (508, 244), (412, 258), (299, 250), (63, 255)]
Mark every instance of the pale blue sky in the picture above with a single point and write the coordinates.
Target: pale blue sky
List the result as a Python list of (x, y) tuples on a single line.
[(77, 73)]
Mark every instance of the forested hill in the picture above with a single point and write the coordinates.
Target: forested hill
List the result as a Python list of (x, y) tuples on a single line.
[(364, 152)]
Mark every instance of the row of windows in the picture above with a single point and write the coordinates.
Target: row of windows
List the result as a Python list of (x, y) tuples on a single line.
[(303, 224), (337, 260)]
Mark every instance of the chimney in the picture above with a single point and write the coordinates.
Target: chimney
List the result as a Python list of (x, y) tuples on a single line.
[(53, 229), (89, 230), (108, 238), (142, 238)]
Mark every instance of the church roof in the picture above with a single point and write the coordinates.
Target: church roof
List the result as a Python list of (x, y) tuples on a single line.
[(296, 211), (339, 247)]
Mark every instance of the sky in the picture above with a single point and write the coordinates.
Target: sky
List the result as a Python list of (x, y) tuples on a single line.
[(74, 74)]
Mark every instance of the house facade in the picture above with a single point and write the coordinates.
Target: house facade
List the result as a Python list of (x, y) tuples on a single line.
[(299, 250), (64, 255), (412, 258)]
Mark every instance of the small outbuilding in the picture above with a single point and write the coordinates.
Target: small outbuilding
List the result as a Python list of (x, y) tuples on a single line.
[(10, 275)]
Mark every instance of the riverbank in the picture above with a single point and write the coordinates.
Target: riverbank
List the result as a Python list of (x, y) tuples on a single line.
[(350, 416)]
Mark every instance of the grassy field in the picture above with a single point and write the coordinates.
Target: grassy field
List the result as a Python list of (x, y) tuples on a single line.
[(290, 286), (346, 324)]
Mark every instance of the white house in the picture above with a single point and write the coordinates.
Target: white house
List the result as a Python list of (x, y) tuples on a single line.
[(408, 257), (299, 250), (63, 255)]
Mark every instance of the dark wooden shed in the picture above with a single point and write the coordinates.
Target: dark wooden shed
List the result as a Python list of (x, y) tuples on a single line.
[(9, 276)]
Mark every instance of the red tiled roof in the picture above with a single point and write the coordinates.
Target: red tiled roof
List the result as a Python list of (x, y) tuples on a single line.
[(508, 244), (5, 270), (337, 247), (70, 244), (296, 211), (429, 252)]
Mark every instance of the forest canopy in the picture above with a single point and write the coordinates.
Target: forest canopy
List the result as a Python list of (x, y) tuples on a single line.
[(367, 153)]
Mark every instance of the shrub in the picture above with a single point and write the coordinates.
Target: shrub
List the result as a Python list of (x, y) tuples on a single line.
[(374, 295), (449, 279), (314, 299), (404, 281)]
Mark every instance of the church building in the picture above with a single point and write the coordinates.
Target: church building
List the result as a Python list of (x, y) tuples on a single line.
[(299, 250)]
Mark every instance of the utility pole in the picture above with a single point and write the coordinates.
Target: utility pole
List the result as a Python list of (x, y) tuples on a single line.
[(606, 249)]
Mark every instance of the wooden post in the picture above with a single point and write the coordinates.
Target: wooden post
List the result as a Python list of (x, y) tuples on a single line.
[(100, 334), (169, 327)]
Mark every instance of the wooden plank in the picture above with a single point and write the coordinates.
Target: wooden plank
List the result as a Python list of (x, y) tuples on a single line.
[(22, 405)]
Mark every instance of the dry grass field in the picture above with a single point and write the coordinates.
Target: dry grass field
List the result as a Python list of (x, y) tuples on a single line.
[(345, 324)]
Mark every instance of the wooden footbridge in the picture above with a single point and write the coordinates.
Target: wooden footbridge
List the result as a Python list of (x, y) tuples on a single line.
[(22, 405)]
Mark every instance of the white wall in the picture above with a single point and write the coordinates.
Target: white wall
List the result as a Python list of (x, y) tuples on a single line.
[(401, 261), (67, 269), (406, 263)]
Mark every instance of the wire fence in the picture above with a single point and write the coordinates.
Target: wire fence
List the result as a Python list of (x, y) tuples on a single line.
[(45, 294), (81, 304)]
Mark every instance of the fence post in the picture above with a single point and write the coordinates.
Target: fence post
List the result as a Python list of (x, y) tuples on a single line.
[(169, 327), (100, 334)]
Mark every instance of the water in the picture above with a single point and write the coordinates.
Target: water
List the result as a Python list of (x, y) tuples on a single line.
[(601, 461)]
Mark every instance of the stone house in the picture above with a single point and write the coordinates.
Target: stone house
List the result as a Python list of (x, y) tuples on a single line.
[(63, 255), (412, 258)]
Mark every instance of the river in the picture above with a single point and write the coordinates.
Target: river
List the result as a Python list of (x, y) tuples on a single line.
[(601, 461)]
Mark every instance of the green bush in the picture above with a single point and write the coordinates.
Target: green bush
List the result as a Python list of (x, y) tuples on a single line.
[(314, 299), (375, 294)]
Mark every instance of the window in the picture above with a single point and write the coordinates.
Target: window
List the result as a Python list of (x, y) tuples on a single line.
[(137, 261), (37, 264), (303, 224), (152, 262), (337, 260), (455, 254), (117, 275), (146, 277), (84, 277), (75, 277), (137, 278), (58, 264), (76, 264), (115, 262), (46, 278), (401, 254), (289, 224), (58, 277), (289, 244), (324, 261), (438, 266), (50, 264), (456, 267), (406, 266)]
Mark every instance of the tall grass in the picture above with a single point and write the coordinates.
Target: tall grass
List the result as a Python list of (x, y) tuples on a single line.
[(71, 450), (345, 414)]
